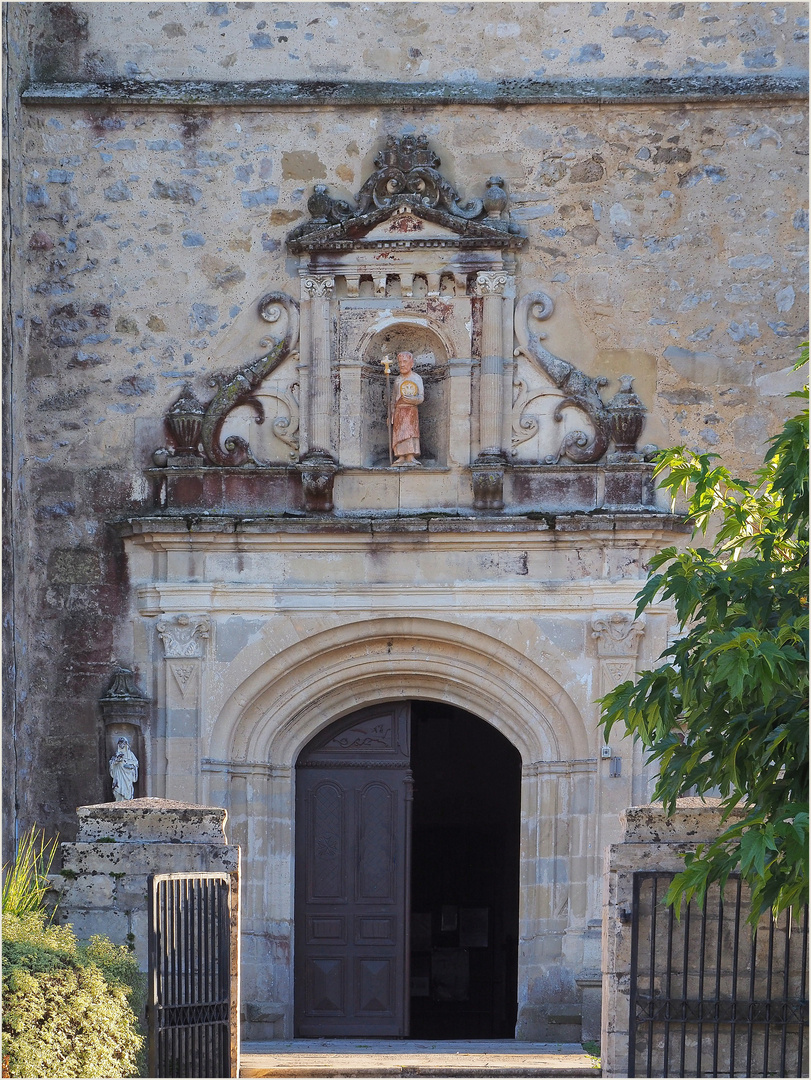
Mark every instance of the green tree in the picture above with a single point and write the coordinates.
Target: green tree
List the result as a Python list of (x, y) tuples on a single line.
[(726, 712)]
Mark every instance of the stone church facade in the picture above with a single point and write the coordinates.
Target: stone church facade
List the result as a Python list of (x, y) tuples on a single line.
[(226, 224)]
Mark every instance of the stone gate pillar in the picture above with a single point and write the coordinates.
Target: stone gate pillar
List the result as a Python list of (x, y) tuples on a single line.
[(103, 887)]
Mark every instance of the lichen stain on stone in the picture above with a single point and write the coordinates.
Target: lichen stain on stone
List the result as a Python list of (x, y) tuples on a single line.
[(302, 165), (221, 274)]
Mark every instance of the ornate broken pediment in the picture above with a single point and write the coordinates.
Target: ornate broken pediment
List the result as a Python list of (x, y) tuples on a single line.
[(398, 204)]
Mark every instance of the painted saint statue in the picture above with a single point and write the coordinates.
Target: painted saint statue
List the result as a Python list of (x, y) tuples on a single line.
[(123, 770), (405, 421)]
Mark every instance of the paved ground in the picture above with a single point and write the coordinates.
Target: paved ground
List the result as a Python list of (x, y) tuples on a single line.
[(378, 1058)]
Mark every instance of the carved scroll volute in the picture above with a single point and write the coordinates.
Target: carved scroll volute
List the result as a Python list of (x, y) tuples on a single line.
[(580, 391), (238, 390)]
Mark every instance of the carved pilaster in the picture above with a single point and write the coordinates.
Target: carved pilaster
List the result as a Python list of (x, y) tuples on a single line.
[(317, 290), (492, 286), (617, 635), (185, 639)]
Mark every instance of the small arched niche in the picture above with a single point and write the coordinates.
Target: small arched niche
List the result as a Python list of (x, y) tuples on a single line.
[(431, 357)]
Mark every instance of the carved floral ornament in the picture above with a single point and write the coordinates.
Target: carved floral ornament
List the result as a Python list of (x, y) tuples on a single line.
[(184, 636), (617, 634)]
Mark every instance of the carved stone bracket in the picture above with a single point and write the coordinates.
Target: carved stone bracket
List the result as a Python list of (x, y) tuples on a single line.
[(184, 636), (488, 483), (317, 481), (617, 634)]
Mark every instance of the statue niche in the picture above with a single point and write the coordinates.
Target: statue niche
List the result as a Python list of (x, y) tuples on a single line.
[(431, 364)]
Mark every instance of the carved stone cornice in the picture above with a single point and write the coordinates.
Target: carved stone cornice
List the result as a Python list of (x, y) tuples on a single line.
[(617, 634), (184, 636)]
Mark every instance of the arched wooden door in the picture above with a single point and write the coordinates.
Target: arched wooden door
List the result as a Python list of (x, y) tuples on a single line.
[(353, 805)]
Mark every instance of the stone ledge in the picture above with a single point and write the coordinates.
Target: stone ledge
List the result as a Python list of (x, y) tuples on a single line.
[(694, 821), (139, 821), (281, 93), (190, 524)]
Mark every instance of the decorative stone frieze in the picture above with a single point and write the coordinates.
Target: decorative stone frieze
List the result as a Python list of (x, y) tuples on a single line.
[(184, 636)]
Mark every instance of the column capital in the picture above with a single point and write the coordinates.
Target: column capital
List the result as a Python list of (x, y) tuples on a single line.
[(493, 283), (318, 285), (184, 636)]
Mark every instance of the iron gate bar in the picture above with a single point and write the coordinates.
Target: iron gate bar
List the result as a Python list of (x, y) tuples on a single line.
[(190, 969), (768, 1012)]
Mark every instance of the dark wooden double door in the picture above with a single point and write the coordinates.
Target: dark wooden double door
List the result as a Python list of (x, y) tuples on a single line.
[(407, 909), (353, 802)]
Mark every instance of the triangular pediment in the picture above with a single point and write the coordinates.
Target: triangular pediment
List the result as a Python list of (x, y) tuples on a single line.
[(404, 222)]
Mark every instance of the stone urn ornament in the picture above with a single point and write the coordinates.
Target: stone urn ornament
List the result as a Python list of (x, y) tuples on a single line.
[(626, 415), (185, 422)]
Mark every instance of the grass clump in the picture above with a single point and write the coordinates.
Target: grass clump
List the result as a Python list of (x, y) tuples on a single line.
[(25, 882)]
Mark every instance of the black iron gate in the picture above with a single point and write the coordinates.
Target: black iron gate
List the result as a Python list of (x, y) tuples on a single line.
[(710, 997), (189, 1008)]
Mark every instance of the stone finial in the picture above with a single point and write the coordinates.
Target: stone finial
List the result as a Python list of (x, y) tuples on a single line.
[(122, 687), (185, 421)]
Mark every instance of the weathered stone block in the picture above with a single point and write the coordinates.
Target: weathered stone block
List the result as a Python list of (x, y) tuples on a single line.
[(152, 820)]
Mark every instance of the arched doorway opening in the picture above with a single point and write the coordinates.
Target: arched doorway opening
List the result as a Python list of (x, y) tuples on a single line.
[(407, 854)]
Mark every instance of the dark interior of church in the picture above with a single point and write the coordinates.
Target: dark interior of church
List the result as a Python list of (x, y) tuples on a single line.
[(465, 865)]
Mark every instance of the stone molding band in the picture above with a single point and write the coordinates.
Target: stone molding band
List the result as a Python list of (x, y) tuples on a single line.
[(281, 93)]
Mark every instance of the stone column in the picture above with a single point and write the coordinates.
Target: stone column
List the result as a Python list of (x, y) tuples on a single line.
[(488, 469), (317, 466), (184, 639)]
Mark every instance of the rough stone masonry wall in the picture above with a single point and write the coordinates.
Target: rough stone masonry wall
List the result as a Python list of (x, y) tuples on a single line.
[(671, 235)]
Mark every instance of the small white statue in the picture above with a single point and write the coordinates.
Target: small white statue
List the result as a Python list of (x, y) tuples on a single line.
[(123, 770)]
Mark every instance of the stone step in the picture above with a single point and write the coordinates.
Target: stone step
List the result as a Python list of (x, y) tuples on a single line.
[(333, 1059)]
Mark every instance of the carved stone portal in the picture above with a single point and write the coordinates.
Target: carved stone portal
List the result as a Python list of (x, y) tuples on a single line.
[(408, 266)]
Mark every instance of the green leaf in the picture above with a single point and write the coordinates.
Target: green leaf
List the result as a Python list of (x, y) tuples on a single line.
[(726, 710)]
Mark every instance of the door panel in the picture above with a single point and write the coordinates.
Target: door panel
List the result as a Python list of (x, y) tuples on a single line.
[(353, 804)]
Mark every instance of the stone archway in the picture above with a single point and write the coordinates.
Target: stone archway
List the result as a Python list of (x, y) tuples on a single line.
[(304, 688)]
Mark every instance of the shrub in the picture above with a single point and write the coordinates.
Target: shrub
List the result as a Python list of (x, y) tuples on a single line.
[(68, 1008)]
